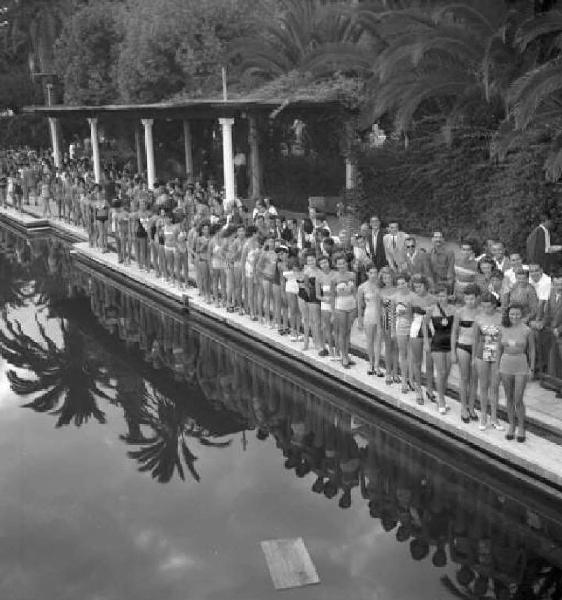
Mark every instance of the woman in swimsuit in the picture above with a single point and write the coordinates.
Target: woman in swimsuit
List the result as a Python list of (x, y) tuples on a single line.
[(516, 351), (248, 259), (402, 305), (101, 209), (485, 357), (217, 258), (46, 195), (142, 248), (181, 259), (170, 232), (388, 289), (309, 304), (202, 254), (422, 301), (266, 266), (278, 289), (323, 291), (344, 305), (442, 315), (462, 340), (369, 310), (290, 278), (234, 269)]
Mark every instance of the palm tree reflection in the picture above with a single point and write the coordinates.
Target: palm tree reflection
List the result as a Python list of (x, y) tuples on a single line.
[(165, 450), (64, 379)]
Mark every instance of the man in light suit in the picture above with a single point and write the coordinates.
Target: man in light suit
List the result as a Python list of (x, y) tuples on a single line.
[(395, 246), (417, 261), (375, 245), (539, 248), (553, 324)]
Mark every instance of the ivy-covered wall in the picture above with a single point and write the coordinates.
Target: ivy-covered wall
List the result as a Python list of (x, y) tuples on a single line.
[(459, 190)]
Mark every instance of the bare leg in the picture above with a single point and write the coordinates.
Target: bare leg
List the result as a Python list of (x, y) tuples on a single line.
[(508, 382), (519, 393), (484, 378)]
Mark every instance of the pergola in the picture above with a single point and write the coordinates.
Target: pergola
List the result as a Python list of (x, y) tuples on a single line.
[(186, 111)]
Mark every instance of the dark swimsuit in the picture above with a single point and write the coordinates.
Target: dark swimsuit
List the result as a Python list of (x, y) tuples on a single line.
[(465, 347), (101, 214), (442, 325)]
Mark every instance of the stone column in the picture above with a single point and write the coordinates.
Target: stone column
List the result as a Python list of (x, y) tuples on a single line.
[(53, 126), (95, 148), (350, 174), (227, 158), (255, 159), (188, 148), (149, 146), (138, 149)]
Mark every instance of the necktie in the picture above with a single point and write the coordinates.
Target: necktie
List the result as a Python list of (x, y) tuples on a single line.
[(394, 241)]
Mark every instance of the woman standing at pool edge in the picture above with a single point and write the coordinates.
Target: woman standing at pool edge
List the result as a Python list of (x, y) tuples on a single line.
[(344, 307), (516, 350), (369, 307)]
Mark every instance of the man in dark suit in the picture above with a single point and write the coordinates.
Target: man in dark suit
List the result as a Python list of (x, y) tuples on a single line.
[(553, 324), (539, 247), (375, 246)]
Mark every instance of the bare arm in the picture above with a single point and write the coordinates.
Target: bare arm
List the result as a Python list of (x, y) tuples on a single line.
[(531, 349)]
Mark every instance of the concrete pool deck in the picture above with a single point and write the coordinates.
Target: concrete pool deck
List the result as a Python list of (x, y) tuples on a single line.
[(539, 456)]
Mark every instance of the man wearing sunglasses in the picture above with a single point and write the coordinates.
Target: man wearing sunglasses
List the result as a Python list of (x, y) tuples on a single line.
[(416, 261)]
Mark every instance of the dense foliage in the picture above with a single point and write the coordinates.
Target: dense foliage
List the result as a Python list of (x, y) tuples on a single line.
[(469, 92)]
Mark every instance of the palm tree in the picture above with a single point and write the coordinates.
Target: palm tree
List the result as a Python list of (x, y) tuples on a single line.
[(450, 61), (66, 379), (305, 36), (535, 98), (166, 450)]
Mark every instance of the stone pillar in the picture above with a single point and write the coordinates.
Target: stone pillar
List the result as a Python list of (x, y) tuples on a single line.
[(255, 159), (95, 148), (227, 158), (138, 149), (188, 148), (149, 147), (350, 174), (53, 126)]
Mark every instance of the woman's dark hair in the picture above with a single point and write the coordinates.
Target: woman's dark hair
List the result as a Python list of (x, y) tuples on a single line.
[(486, 260), (506, 321), (307, 225)]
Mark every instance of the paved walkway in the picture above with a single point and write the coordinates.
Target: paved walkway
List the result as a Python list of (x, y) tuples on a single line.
[(544, 410)]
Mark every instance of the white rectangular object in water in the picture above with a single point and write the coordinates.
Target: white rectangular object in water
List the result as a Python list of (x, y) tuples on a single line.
[(289, 563)]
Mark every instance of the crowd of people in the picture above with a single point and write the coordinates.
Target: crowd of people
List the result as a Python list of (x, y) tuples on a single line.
[(497, 315)]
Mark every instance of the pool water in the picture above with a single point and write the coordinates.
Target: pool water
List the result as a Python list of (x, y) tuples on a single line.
[(146, 454)]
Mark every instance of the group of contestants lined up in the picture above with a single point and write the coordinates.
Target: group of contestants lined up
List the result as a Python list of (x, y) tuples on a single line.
[(313, 286)]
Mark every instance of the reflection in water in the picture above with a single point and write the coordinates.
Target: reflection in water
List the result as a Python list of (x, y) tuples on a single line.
[(180, 385)]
